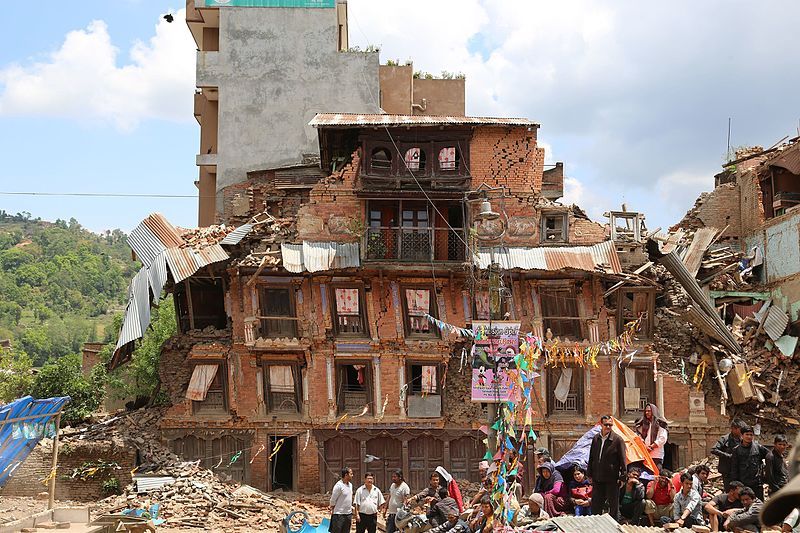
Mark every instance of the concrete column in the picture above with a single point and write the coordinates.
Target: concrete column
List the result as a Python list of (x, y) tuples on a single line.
[(329, 375), (378, 402), (401, 382)]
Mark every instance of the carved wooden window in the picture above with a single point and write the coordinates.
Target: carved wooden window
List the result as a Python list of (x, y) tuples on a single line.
[(560, 312), (418, 302), (283, 386), (565, 390), (278, 318), (349, 311)]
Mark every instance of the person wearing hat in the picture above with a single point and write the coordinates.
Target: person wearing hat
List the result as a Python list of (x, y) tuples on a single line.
[(483, 469), (746, 463), (724, 449), (542, 456), (534, 511)]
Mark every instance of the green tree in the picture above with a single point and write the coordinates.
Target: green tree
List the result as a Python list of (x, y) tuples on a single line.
[(16, 378), (64, 377)]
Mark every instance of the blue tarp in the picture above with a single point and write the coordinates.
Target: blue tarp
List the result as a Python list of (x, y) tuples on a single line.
[(18, 439), (579, 454)]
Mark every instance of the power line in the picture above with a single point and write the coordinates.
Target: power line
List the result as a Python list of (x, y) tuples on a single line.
[(101, 194)]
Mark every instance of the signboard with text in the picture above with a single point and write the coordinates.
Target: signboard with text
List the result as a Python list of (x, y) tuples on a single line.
[(496, 346)]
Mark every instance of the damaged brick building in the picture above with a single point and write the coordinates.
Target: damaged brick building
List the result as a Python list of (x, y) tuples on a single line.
[(303, 341)]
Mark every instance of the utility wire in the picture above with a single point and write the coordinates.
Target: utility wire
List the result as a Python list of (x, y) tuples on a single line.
[(101, 194)]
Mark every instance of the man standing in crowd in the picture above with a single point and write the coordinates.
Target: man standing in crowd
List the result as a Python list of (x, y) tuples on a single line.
[(342, 503), (660, 495), (746, 464), (746, 518), (398, 492), (724, 449), (606, 468), (686, 510), (368, 500), (777, 471), (724, 504)]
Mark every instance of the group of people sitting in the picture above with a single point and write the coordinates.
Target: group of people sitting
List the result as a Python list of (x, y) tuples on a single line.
[(629, 493)]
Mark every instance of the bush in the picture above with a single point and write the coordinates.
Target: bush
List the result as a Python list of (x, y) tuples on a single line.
[(64, 377), (111, 486)]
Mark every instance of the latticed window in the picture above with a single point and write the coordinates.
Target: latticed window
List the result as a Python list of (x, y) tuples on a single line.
[(565, 390), (278, 317), (560, 312), (418, 302), (637, 388), (348, 311), (283, 388), (354, 387)]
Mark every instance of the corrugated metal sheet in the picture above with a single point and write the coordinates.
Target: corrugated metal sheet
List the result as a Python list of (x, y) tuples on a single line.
[(676, 267), (788, 158), (652, 529), (589, 524), (16, 444), (320, 256), (236, 236), (162, 250), (775, 323), (343, 120), (151, 483), (598, 258)]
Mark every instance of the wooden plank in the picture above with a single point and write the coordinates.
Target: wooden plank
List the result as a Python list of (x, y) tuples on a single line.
[(700, 243)]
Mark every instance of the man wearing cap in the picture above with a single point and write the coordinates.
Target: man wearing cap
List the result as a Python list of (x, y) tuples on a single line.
[(542, 456), (606, 468), (483, 469), (747, 461)]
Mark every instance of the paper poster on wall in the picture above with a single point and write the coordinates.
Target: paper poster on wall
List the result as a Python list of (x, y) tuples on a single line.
[(496, 346)]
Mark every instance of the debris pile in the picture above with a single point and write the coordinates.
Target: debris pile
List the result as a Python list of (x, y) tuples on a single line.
[(200, 238)]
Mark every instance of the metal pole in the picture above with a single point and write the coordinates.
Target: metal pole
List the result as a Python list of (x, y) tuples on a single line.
[(492, 408), (51, 498)]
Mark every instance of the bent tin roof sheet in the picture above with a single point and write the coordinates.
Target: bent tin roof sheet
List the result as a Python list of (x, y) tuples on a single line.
[(601, 258), (349, 120)]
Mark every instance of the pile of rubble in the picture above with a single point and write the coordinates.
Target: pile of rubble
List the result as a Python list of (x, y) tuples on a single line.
[(187, 494), (200, 238), (193, 497)]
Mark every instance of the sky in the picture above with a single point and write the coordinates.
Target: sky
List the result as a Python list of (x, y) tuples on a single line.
[(634, 97)]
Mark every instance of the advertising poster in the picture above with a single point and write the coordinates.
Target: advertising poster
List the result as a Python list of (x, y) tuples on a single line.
[(496, 346)]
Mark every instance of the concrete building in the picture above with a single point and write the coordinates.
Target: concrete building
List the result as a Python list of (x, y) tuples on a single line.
[(263, 72)]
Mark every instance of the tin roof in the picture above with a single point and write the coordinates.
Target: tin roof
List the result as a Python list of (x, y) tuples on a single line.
[(586, 524), (319, 256), (601, 257), (164, 249), (348, 120)]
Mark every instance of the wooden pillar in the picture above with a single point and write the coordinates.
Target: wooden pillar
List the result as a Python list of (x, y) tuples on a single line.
[(51, 496)]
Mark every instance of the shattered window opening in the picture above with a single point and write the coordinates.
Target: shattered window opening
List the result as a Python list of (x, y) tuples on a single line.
[(631, 304), (422, 378), (554, 227), (380, 160), (632, 378), (278, 318), (560, 312), (354, 385), (415, 160), (200, 303)]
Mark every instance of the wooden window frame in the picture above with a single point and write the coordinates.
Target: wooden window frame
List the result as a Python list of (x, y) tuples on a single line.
[(292, 306), (362, 310), (439, 374), (543, 233), (297, 375), (577, 319), (222, 373), (372, 147), (368, 386), (645, 367), (433, 332), (646, 330), (579, 374)]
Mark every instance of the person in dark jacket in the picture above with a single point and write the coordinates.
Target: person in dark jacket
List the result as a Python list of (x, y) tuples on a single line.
[(632, 498), (606, 468), (747, 463), (777, 470), (442, 508), (724, 449)]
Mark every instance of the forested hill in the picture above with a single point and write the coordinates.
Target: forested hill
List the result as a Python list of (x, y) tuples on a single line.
[(59, 284)]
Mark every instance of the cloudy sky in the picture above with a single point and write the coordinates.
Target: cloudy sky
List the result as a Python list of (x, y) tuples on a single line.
[(633, 96)]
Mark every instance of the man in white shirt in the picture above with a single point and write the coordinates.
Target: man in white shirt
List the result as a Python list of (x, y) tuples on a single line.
[(342, 503), (369, 499), (398, 492)]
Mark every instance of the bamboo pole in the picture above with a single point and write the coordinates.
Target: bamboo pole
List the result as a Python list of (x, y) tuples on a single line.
[(51, 498)]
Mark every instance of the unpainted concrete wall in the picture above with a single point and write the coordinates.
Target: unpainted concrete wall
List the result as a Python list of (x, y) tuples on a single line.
[(275, 69)]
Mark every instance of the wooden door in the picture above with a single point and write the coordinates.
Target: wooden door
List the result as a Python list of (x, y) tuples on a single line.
[(424, 455), (390, 458), (342, 452), (465, 454)]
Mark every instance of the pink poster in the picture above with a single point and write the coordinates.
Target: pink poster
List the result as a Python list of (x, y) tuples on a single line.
[(496, 346)]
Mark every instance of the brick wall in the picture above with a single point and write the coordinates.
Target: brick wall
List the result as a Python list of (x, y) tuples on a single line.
[(26, 480), (507, 157)]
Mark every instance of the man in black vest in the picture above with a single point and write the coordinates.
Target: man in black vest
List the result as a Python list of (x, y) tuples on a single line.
[(606, 468)]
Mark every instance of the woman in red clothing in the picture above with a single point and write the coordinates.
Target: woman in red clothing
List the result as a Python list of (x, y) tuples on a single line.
[(580, 490)]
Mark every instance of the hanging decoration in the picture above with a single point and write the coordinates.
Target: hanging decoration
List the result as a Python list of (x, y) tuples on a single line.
[(235, 458), (276, 449), (260, 449)]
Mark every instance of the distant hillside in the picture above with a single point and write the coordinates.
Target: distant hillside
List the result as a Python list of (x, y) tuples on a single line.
[(59, 284)]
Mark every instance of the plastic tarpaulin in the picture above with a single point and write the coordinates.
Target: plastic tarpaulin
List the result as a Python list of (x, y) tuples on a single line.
[(19, 438), (635, 449)]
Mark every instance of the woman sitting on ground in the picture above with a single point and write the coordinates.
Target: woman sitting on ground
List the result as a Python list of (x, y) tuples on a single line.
[(555, 492), (580, 490)]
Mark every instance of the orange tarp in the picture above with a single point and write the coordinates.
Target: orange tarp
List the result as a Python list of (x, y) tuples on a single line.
[(635, 448)]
